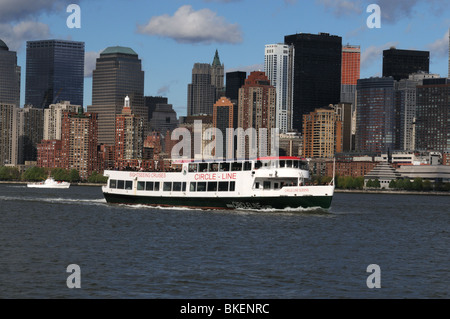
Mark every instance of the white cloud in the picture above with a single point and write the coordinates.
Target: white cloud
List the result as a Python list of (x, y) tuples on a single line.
[(373, 53), (16, 35), (17, 10), (190, 26), (247, 68), (440, 47), (90, 60)]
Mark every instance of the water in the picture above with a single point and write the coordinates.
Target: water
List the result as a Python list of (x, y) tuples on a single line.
[(142, 252)]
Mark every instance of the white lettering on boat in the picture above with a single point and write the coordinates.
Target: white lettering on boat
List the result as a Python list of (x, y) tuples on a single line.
[(214, 176), (147, 175)]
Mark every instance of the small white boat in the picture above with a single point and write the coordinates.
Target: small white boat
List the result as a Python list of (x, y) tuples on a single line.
[(49, 183)]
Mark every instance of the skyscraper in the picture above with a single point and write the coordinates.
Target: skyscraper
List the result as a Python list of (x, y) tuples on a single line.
[(375, 117), (217, 75), (256, 109), (53, 119), (432, 116), (234, 81), (317, 72), (351, 66), (129, 136), (118, 73), (401, 63), (201, 92), (54, 72), (9, 76), (278, 66)]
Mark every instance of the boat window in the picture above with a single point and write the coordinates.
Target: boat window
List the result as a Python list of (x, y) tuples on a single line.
[(213, 167), (140, 186), (223, 186), (257, 185), (128, 184), (247, 166), (296, 164), (176, 187), (212, 186), (193, 187), (167, 186), (258, 164), (224, 167), (193, 168), (266, 185), (120, 184), (282, 163), (236, 166), (303, 165), (288, 163), (266, 163), (183, 188), (201, 187), (202, 167), (149, 186), (113, 183), (275, 185), (232, 186), (156, 186)]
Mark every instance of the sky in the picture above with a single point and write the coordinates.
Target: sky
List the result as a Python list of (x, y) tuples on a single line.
[(170, 36)]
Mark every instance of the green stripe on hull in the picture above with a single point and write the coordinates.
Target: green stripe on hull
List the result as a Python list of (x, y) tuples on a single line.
[(224, 202)]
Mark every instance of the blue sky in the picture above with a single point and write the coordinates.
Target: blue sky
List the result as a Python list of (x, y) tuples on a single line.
[(170, 36)]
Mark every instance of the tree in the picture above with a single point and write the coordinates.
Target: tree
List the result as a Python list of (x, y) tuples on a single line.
[(74, 176), (9, 173), (60, 174), (427, 185), (376, 183), (393, 184), (417, 184), (97, 178), (34, 173)]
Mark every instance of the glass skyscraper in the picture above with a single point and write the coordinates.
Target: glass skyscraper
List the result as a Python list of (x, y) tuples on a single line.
[(9, 76), (317, 72), (54, 72)]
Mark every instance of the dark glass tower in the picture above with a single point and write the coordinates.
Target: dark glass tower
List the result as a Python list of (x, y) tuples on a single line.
[(317, 72), (9, 76), (401, 63), (118, 73), (234, 81), (54, 72), (375, 115)]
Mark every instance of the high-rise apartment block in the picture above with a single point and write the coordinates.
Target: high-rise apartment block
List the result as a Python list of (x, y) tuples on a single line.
[(401, 63), (54, 72), (351, 67), (8, 134), (322, 133), (256, 109), (9, 76), (79, 149), (432, 115), (118, 73), (30, 132), (278, 66), (53, 119), (375, 118), (317, 72)]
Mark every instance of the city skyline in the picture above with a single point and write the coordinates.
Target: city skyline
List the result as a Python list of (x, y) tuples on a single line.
[(168, 54)]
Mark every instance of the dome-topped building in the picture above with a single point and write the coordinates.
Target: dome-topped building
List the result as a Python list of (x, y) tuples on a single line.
[(3, 45)]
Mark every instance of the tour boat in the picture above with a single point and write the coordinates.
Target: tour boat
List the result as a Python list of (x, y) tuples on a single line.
[(264, 183), (49, 183)]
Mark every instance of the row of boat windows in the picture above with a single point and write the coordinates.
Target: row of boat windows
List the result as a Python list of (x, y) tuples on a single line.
[(246, 166), (175, 186)]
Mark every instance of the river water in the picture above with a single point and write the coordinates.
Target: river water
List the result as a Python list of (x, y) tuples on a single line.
[(159, 253)]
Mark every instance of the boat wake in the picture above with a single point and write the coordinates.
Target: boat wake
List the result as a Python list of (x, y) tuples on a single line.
[(56, 200)]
